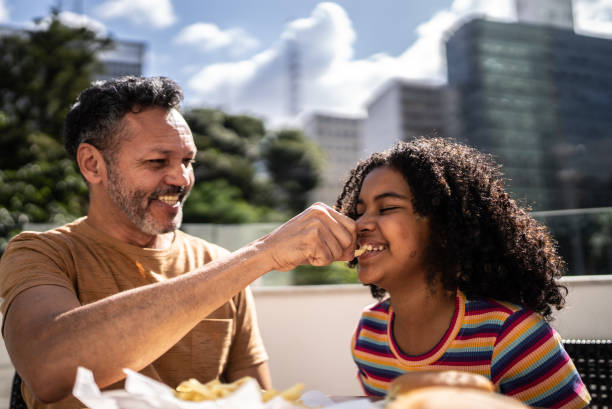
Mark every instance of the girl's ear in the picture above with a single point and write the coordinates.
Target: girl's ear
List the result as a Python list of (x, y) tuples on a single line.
[(91, 163)]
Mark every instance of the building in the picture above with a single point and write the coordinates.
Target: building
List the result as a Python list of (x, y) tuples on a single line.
[(538, 97), (557, 13), (340, 138), (124, 58), (404, 109)]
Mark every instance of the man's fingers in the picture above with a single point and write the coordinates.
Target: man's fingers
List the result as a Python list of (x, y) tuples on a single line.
[(341, 226), (319, 235)]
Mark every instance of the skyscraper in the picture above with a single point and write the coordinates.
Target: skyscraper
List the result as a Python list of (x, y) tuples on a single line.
[(538, 97), (556, 13), (124, 58), (340, 138), (403, 109)]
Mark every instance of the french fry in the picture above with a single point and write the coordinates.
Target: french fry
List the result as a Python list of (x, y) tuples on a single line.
[(194, 390), (293, 393), (360, 251)]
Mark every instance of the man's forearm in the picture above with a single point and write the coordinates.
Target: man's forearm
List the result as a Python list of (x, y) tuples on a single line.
[(130, 329)]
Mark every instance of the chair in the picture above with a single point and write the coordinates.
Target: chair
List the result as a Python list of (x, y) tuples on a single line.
[(593, 360), (17, 401)]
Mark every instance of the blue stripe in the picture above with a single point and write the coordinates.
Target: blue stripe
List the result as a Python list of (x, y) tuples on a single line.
[(374, 324), (466, 357), (534, 371), (487, 325), (372, 347), (519, 345), (560, 392), (379, 370)]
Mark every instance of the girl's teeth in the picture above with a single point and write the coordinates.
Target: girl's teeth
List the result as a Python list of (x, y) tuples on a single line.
[(368, 247)]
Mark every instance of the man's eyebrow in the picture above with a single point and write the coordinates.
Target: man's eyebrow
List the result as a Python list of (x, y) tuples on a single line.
[(168, 152)]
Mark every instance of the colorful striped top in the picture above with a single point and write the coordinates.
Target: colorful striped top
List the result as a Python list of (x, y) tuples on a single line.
[(512, 346)]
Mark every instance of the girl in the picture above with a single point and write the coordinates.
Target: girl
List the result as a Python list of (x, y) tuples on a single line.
[(466, 278)]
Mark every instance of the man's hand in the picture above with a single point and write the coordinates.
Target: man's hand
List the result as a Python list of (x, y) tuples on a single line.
[(318, 236)]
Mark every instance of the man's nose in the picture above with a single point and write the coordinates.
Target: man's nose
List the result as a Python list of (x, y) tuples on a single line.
[(179, 175)]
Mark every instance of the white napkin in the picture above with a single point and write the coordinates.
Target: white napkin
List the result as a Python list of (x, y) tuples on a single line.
[(142, 392)]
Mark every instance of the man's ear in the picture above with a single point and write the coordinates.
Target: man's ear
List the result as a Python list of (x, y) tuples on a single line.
[(91, 163)]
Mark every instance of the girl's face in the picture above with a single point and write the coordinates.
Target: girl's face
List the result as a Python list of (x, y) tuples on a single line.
[(388, 224)]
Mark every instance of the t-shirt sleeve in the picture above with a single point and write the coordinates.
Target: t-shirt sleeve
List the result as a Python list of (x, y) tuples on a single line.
[(247, 347), (30, 260), (530, 364)]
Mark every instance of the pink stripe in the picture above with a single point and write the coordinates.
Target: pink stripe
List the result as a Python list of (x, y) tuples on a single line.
[(540, 378), (515, 324)]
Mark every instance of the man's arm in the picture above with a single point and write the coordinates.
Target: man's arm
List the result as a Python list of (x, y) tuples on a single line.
[(48, 333)]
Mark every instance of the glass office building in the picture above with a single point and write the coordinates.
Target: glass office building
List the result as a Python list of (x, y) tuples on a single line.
[(540, 99)]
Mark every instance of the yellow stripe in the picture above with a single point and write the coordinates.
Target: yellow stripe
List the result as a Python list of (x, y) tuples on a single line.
[(375, 359), (517, 332)]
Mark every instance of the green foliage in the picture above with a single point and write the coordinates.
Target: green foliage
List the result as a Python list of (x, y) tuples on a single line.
[(41, 73), (235, 154), (218, 201), (39, 192), (336, 273), (294, 163)]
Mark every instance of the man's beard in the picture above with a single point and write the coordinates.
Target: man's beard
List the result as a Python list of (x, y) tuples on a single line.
[(132, 202)]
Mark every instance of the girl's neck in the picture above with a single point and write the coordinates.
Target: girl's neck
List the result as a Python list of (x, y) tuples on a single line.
[(422, 317)]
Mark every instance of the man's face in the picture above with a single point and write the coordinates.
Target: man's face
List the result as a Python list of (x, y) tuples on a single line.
[(152, 172)]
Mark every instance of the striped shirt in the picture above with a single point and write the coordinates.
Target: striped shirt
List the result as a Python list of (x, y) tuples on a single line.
[(512, 346)]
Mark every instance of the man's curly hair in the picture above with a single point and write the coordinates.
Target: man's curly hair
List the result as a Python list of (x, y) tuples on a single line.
[(481, 240), (96, 116)]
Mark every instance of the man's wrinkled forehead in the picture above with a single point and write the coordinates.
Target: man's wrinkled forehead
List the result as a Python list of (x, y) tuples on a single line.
[(176, 120), (149, 118)]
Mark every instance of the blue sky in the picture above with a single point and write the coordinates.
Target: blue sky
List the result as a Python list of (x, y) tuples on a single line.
[(233, 53)]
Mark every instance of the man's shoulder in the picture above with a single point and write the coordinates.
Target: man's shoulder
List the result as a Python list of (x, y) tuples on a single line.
[(58, 234)]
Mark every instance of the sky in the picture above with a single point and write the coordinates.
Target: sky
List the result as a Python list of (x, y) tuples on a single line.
[(234, 54)]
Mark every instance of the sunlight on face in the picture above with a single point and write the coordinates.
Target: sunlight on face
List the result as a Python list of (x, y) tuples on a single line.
[(136, 203)]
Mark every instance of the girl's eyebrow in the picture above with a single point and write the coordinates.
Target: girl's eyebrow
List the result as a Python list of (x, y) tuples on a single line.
[(386, 195)]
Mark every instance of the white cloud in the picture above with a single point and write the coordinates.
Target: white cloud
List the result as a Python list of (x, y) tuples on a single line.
[(158, 13), (209, 37), (323, 43), (4, 13), (593, 16), (331, 79), (74, 20)]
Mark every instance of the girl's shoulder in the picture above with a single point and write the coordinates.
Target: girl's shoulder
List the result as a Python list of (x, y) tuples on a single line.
[(503, 312), (476, 306), (382, 306)]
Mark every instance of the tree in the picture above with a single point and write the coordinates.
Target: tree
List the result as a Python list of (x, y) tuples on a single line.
[(229, 186), (294, 163), (41, 73)]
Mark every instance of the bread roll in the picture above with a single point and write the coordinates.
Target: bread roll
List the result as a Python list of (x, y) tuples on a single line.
[(448, 397), (420, 379)]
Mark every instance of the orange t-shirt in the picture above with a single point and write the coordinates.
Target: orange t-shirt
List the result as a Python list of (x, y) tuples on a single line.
[(94, 265)]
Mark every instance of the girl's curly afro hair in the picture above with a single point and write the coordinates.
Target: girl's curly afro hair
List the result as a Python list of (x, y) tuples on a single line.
[(482, 241)]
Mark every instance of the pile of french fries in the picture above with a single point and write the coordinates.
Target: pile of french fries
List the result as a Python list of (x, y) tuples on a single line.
[(194, 390)]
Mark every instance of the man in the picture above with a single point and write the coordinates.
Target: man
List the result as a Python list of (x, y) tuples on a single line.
[(123, 287)]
